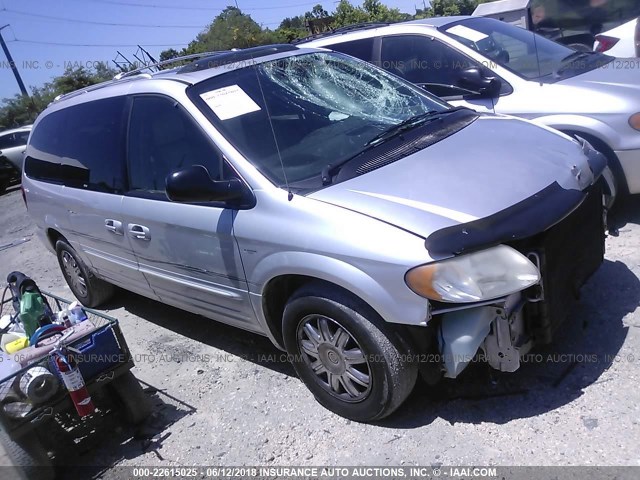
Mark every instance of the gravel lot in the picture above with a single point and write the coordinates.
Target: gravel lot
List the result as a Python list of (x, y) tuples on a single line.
[(224, 397)]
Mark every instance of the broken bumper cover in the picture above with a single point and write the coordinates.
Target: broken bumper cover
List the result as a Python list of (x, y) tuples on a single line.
[(566, 253)]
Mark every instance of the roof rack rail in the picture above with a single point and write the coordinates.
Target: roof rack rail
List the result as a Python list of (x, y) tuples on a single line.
[(91, 88), (345, 29), (163, 63), (236, 56)]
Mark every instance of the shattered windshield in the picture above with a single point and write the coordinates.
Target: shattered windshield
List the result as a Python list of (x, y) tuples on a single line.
[(309, 110)]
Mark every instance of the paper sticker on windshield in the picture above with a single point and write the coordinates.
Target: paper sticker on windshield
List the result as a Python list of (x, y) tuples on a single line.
[(229, 102), (466, 32)]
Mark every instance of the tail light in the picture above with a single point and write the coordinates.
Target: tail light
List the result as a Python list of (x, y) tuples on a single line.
[(637, 37), (24, 197), (606, 43)]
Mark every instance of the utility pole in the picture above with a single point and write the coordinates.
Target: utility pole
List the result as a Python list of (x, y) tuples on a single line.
[(23, 89)]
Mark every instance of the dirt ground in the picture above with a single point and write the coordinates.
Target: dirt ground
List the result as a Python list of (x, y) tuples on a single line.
[(225, 397)]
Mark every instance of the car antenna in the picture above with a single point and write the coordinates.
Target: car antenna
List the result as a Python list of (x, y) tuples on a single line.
[(535, 46), (273, 131)]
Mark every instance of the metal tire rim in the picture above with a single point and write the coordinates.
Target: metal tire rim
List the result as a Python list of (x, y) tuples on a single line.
[(335, 357), (74, 274)]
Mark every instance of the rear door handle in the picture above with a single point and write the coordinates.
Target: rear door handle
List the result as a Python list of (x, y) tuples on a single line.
[(114, 226), (139, 232)]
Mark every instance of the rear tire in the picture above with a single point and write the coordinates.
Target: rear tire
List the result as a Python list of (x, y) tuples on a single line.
[(29, 456), (357, 366), (134, 403), (88, 289)]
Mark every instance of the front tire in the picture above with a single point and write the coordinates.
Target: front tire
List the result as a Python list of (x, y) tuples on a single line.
[(88, 289), (350, 359)]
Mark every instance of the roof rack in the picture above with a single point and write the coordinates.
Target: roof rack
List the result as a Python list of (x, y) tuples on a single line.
[(235, 56), (345, 29), (134, 74), (163, 63)]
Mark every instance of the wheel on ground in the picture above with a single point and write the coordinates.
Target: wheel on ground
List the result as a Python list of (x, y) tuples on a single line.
[(3, 186), (88, 289), (348, 357), (130, 397), (29, 456), (609, 198)]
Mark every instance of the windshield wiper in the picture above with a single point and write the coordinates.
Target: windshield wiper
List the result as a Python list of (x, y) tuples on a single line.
[(410, 123), (571, 58), (330, 170)]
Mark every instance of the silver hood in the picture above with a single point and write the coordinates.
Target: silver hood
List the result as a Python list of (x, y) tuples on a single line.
[(487, 167), (612, 78)]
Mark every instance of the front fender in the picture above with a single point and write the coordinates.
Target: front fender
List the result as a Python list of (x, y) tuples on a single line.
[(394, 302), (581, 124)]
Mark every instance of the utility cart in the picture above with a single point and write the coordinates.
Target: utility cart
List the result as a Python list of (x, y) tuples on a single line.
[(34, 395)]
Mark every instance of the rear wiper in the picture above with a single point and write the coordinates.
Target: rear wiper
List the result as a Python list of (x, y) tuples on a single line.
[(330, 170)]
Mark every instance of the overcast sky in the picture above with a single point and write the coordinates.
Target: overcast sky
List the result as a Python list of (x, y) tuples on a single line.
[(157, 25)]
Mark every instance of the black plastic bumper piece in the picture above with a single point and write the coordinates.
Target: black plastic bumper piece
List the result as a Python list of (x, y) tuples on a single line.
[(525, 219)]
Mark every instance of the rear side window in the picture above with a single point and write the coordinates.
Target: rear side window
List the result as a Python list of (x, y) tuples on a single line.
[(81, 147), (362, 49)]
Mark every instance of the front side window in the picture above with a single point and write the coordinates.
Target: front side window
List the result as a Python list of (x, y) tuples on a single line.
[(525, 53), (426, 62), (362, 49), (81, 146), (163, 138), (293, 116), (12, 140)]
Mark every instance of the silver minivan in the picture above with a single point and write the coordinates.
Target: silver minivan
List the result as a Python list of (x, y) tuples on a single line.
[(366, 227)]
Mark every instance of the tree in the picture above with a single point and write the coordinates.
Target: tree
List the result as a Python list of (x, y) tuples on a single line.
[(316, 12), (370, 11), (445, 8)]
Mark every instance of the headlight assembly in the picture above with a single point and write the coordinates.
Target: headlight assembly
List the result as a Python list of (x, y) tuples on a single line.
[(484, 275)]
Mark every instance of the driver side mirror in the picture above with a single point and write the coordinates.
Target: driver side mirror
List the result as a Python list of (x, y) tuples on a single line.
[(194, 185), (473, 79)]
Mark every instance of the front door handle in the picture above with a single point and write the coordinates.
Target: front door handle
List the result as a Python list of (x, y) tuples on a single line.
[(139, 232), (114, 226)]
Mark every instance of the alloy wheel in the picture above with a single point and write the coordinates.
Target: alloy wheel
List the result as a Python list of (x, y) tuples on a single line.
[(333, 354)]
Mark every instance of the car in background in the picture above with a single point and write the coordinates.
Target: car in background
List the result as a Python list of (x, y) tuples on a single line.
[(13, 144), (622, 41), (12, 147), (492, 66), (575, 23), (357, 221)]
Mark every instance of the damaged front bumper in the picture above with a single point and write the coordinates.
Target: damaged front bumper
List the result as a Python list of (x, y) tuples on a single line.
[(502, 330)]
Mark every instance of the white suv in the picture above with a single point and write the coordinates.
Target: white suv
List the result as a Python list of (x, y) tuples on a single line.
[(489, 65)]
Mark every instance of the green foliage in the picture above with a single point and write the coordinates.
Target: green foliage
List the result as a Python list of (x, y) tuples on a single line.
[(445, 8)]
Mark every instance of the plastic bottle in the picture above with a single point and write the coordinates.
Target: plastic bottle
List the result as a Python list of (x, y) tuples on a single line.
[(31, 309), (8, 338), (63, 318), (77, 313)]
